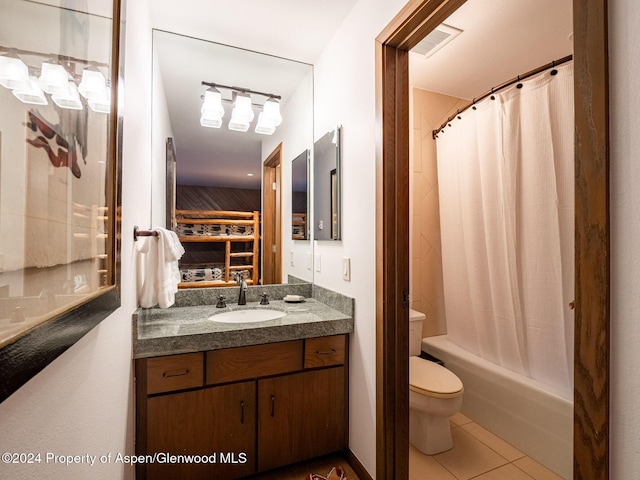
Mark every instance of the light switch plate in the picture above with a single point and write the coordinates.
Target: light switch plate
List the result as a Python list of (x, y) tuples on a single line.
[(346, 269)]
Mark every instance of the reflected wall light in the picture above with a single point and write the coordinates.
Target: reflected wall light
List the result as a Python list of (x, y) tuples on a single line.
[(242, 114), (13, 73), (55, 79), (269, 118), (69, 99), (212, 110), (32, 94), (101, 103)]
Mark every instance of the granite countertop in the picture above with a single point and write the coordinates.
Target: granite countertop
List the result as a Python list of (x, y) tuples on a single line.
[(186, 329)]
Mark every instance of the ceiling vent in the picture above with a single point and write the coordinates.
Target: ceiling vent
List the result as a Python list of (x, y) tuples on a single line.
[(437, 39)]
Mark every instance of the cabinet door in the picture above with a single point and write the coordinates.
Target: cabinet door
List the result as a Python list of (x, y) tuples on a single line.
[(218, 422), (300, 416)]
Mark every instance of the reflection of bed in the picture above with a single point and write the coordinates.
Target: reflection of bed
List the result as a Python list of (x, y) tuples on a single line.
[(234, 235)]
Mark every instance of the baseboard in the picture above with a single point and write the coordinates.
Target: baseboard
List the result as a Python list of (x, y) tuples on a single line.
[(357, 466)]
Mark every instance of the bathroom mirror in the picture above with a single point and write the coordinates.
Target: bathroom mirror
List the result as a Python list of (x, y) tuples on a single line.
[(300, 196), (59, 69), (221, 169), (326, 186)]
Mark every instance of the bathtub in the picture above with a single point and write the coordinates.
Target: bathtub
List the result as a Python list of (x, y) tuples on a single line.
[(525, 413)]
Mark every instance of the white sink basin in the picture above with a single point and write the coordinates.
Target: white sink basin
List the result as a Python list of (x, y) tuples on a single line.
[(247, 316)]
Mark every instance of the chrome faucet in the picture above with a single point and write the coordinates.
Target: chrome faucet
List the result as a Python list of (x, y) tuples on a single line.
[(242, 297)]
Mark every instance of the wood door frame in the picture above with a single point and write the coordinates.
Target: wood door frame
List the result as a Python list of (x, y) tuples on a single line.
[(592, 246), (272, 216)]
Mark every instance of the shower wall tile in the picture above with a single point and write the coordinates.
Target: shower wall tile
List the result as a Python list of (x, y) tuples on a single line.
[(428, 111)]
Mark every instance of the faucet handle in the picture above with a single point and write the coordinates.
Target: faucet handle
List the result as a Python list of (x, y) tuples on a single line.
[(221, 302), (264, 299)]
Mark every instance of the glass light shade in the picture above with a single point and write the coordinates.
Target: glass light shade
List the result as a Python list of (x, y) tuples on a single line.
[(265, 126), (212, 110), (69, 100), (54, 79), (242, 114), (271, 111), (13, 73), (33, 94), (93, 84), (101, 103)]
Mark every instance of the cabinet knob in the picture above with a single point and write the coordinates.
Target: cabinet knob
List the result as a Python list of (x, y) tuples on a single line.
[(273, 405)]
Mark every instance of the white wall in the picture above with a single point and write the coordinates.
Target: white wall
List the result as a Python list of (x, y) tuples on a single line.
[(82, 403), (624, 65), (295, 133), (344, 91), (161, 129)]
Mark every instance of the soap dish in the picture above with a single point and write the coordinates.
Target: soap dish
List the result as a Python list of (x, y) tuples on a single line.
[(293, 298)]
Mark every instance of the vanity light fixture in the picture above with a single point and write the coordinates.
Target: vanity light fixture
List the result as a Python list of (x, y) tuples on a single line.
[(101, 103), (54, 79), (212, 110), (242, 114), (70, 99), (13, 73), (32, 94), (93, 84), (269, 118)]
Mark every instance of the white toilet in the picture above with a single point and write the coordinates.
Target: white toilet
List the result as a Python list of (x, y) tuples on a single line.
[(435, 394)]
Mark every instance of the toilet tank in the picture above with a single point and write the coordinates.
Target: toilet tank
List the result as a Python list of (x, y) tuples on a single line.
[(415, 331)]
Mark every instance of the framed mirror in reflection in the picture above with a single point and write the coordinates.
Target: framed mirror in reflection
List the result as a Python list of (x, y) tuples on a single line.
[(326, 186), (59, 69), (300, 196), (228, 166)]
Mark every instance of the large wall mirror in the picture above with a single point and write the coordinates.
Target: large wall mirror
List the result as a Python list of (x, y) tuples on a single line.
[(231, 186), (58, 173)]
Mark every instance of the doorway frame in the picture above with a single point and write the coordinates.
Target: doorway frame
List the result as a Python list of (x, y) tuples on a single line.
[(271, 272), (592, 232)]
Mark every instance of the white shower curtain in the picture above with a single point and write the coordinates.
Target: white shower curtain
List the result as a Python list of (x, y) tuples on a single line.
[(506, 181)]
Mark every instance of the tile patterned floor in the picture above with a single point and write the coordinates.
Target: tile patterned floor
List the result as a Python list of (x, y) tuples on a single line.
[(476, 454)]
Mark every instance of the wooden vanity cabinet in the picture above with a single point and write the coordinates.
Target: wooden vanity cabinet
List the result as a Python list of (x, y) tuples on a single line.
[(210, 422), (267, 405), (300, 416)]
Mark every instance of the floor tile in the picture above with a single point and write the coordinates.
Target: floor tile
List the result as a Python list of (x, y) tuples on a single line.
[(507, 472), (494, 442), (423, 467), (536, 470), (459, 419), (469, 457)]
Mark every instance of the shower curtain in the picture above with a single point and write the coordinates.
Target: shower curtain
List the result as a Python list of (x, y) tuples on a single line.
[(506, 181)]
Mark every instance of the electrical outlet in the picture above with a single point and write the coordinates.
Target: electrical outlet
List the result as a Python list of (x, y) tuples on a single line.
[(316, 263), (291, 259)]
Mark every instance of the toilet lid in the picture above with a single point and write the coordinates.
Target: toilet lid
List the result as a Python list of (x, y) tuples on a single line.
[(429, 378)]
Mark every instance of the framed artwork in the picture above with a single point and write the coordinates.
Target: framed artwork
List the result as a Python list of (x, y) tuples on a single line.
[(59, 179)]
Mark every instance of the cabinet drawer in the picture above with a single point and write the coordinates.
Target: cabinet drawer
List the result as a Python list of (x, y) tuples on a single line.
[(174, 372), (324, 351), (241, 363)]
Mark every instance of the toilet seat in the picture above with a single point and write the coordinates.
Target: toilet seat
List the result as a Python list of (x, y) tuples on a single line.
[(433, 380)]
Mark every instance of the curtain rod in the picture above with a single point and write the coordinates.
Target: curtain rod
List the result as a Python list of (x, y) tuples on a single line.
[(517, 79)]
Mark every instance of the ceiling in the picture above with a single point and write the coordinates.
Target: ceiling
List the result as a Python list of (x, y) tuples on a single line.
[(500, 39)]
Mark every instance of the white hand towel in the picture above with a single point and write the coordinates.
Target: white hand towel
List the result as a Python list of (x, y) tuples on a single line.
[(161, 273)]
